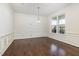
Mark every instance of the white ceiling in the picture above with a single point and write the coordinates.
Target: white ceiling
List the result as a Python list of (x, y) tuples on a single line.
[(31, 8)]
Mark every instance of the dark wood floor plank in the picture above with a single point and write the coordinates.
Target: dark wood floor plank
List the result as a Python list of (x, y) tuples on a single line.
[(38, 47)]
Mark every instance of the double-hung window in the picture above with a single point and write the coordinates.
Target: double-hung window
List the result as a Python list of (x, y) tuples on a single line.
[(58, 24)]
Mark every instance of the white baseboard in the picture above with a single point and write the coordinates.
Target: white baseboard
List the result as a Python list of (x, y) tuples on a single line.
[(22, 37), (29, 37)]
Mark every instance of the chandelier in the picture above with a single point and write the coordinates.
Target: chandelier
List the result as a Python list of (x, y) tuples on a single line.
[(38, 17)]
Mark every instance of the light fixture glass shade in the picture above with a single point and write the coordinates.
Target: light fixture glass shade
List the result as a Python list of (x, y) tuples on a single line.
[(38, 18)]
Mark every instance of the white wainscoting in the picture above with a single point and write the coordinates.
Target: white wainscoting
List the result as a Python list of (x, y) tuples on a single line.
[(72, 39), (5, 41)]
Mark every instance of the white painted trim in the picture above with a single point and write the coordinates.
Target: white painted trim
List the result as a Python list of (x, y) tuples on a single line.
[(9, 38), (29, 37), (5, 48), (71, 39)]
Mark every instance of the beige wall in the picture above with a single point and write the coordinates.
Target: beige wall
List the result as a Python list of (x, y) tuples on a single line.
[(6, 26), (72, 17), (72, 22), (6, 19), (27, 27)]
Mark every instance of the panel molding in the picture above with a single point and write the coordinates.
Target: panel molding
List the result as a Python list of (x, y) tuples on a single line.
[(5, 42), (72, 39)]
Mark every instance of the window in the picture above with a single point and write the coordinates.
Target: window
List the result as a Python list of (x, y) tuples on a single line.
[(54, 24), (58, 24)]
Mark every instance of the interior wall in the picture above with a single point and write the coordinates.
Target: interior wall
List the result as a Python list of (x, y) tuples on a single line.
[(27, 27), (6, 19), (6, 26), (71, 27)]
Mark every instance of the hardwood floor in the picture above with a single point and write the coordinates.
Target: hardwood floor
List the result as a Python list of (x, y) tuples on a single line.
[(38, 47)]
